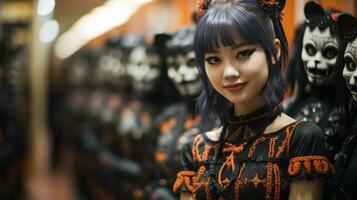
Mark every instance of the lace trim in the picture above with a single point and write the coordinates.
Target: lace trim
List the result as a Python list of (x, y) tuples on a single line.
[(310, 164)]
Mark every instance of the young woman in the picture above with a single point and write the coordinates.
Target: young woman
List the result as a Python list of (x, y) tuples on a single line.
[(259, 152)]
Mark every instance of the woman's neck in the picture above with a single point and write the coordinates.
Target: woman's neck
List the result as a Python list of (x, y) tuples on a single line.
[(248, 107)]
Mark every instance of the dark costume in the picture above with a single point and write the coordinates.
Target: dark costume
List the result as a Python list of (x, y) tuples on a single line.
[(247, 164), (317, 67), (178, 122), (344, 184)]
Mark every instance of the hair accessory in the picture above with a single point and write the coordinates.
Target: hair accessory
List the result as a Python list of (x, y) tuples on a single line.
[(202, 6), (272, 7)]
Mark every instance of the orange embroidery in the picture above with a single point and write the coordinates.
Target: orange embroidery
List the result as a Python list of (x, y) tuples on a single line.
[(196, 152), (269, 180), (237, 186), (318, 164), (184, 177), (286, 143), (254, 146), (272, 142), (207, 183), (277, 181), (256, 180), (230, 160)]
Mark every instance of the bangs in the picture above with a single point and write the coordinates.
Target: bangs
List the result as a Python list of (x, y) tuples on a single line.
[(228, 26)]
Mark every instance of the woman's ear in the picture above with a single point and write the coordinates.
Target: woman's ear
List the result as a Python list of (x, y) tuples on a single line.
[(277, 47)]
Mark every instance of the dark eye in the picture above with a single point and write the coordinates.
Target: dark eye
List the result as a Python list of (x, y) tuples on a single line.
[(245, 53), (330, 52), (191, 62), (350, 65), (310, 49), (212, 60)]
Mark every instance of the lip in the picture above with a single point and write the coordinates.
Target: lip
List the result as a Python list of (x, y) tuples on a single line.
[(234, 87)]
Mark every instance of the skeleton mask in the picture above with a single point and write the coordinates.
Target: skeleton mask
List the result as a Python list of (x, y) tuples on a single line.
[(144, 69), (350, 70), (110, 67), (183, 72), (320, 56), (181, 63)]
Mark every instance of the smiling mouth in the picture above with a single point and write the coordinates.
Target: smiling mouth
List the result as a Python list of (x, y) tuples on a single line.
[(234, 87), (320, 72)]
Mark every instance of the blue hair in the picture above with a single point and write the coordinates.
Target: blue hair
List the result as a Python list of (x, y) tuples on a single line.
[(220, 26)]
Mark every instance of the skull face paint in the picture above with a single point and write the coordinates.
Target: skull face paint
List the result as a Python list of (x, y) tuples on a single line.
[(320, 56), (144, 69), (183, 72), (110, 67), (350, 70)]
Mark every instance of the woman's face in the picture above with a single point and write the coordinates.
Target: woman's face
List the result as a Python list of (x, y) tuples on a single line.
[(238, 72)]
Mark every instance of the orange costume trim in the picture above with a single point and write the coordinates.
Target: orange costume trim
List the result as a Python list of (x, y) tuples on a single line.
[(184, 177), (286, 142), (197, 156), (318, 164)]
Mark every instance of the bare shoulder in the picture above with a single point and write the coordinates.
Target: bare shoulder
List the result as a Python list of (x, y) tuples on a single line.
[(280, 122), (214, 134)]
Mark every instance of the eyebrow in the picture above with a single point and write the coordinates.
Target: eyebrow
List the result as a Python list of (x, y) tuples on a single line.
[(233, 47)]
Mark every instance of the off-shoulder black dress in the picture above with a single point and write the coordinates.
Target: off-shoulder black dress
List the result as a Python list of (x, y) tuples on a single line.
[(249, 164)]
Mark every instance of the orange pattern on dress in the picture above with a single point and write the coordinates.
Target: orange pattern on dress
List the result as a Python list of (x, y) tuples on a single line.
[(269, 180), (286, 142), (197, 156), (237, 186), (319, 164), (254, 146), (272, 142), (230, 161), (277, 181), (184, 177), (256, 180)]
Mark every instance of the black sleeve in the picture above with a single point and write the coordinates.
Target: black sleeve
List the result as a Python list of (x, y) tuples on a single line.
[(184, 178), (307, 153)]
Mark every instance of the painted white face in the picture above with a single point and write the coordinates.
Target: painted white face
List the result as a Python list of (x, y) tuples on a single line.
[(319, 54), (183, 72), (144, 69), (350, 70), (110, 67)]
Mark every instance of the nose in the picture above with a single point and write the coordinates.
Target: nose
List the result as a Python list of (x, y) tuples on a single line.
[(353, 80), (230, 73), (317, 62)]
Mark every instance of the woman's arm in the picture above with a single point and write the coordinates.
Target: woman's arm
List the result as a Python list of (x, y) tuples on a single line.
[(306, 190), (185, 196)]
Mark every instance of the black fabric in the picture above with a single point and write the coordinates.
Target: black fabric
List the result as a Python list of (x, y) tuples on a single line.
[(250, 124), (307, 140), (258, 159), (344, 184)]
